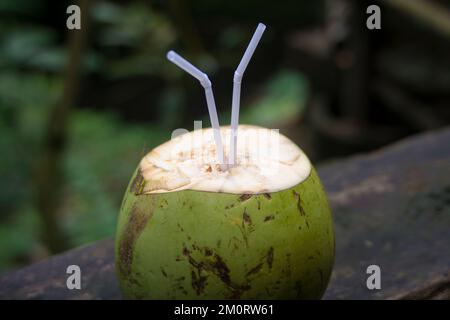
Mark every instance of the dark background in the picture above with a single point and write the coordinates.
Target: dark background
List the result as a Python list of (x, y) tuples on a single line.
[(80, 108)]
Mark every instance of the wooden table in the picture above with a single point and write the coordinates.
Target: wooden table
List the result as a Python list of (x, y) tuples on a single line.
[(391, 208)]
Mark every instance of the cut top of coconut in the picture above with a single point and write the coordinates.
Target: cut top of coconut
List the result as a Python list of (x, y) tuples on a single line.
[(266, 161)]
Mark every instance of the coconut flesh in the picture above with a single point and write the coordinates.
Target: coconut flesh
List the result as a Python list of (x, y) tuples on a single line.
[(192, 228), (266, 162)]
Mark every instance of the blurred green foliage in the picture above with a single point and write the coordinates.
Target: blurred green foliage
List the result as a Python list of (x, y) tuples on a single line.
[(101, 155), (284, 100)]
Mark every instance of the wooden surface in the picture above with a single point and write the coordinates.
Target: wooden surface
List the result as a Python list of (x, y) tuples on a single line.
[(391, 208)]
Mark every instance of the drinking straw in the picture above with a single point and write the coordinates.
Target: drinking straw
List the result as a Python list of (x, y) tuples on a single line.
[(172, 56), (237, 79)]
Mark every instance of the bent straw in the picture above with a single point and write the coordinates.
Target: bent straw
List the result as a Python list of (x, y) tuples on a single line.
[(237, 79), (175, 58)]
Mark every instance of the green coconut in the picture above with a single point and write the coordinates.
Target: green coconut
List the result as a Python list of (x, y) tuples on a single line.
[(191, 229)]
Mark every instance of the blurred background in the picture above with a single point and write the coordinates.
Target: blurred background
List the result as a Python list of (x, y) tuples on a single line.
[(78, 109)]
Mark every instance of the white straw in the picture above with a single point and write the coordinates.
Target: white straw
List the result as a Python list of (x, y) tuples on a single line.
[(237, 79), (206, 84)]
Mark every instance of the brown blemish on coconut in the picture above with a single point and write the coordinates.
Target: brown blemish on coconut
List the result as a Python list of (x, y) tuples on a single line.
[(246, 227), (215, 265), (267, 195), (198, 281), (255, 270), (137, 186), (299, 204), (132, 230), (269, 218), (221, 269), (208, 252), (269, 257), (246, 218), (229, 207), (245, 197)]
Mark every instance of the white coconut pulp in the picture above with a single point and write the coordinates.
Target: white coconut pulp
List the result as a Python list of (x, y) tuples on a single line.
[(266, 162)]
